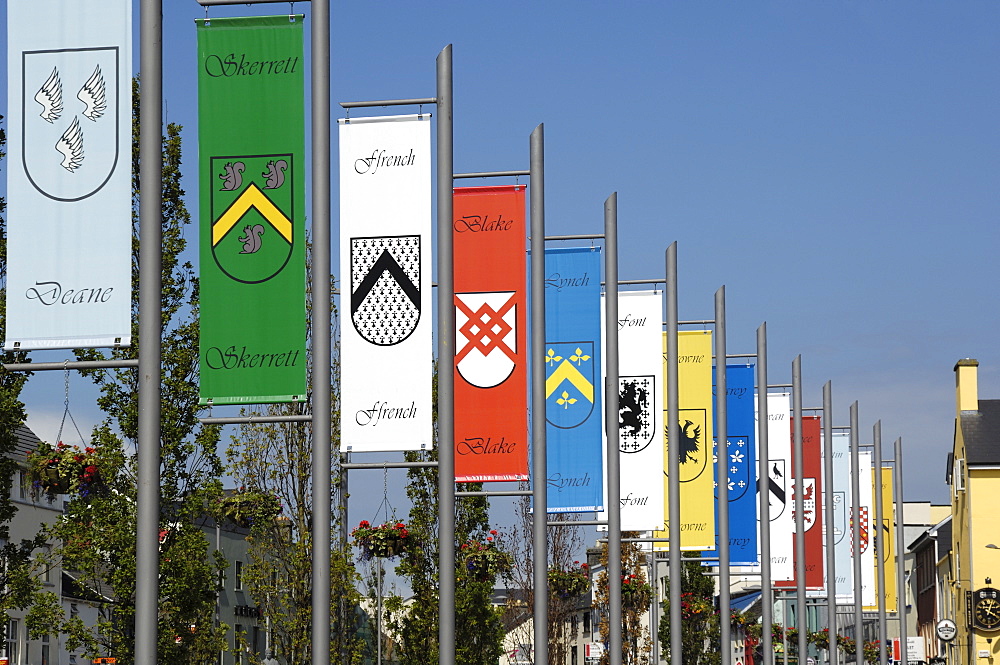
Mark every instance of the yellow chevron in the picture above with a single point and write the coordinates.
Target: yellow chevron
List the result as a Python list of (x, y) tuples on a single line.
[(567, 372), (251, 197)]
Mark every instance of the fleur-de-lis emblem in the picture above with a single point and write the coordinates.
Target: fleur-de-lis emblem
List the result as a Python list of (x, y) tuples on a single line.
[(551, 358), (565, 400), (579, 357)]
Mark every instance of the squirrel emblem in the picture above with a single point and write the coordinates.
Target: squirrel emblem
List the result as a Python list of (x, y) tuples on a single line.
[(232, 176), (275, 174), (251, 238)]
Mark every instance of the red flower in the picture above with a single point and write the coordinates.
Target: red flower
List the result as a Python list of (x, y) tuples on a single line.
[(493, 532)]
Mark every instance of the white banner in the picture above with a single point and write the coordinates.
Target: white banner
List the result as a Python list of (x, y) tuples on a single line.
[(841, 512), (69, 158), (640, 414), (385, 257), (779, 471), (867, 503)]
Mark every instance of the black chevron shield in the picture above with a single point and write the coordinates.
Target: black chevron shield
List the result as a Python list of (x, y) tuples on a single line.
[(385, 288)]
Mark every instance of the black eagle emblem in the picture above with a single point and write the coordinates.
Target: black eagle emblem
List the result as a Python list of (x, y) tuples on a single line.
[(689, 441)]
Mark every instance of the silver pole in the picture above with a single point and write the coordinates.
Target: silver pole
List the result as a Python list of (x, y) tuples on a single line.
[(879, 541), (859, 637), (654, 608), (150, 362), (673, 461), (900, 549), (611, 425), (831, 558), (446, 356), (321, 398), (539, 469), (764, 500), (722, 477), (800, 530)]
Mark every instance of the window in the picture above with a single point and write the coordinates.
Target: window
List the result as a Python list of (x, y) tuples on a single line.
[(959, 474), (22, 485), (10, 645), (237, 651), (238, 572), (45, 650), (573, 656), (586, 623)]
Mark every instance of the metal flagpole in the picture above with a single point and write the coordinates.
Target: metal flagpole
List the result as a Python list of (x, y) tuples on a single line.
[(722, 476), (831, 558), (446, 355), (150, 361), (879, 541), (800, 531), (321, 344), (614, 506), (859, 637), (900, 549), (764, 500), (539, 472), (673, 460)]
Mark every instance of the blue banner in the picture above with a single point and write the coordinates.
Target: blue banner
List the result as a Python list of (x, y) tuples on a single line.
[(573, 379), (741, 457)]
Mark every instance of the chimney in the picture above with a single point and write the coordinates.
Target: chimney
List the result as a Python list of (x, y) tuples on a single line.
[(967, 385)]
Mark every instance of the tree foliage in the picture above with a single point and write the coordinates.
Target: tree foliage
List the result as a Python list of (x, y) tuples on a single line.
[(636, 642), (699, 616), (98, 532)]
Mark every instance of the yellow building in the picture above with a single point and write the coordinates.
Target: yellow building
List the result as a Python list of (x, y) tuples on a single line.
[(974, 478)]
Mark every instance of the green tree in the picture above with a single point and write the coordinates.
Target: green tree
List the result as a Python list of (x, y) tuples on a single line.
[(17, 580), (636, 599), (698, 614), (479, 634), (97, 532), (277, 458)]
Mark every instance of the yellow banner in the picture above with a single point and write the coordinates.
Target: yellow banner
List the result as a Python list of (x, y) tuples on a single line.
[(888, 535), (697, 487)]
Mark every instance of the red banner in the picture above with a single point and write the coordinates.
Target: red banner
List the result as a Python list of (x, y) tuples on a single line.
[(491, 403), (812, 498)]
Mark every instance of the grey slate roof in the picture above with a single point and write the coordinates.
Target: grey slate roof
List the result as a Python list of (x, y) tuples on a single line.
[(26, 442), (981, 431)]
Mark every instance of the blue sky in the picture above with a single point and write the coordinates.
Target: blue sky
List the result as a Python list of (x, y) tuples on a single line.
[(834, 164)]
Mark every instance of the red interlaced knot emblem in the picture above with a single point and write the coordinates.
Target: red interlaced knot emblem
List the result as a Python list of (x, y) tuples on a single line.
[(485, 329)]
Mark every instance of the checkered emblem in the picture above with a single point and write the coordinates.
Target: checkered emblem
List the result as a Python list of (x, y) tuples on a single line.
[(863, 530), (486, 337)]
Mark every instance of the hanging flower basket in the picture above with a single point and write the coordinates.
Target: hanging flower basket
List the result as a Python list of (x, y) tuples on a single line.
[(569, 582), (63, 469), (385, 540), (635, 592), (246, 508), (483, 560)]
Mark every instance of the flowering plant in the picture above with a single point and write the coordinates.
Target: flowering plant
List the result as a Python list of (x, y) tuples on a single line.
[(62, 469), (385, 540), (871, 651), (635, 591), (571, 581), (249, 507), (484, 560), (821, 638)]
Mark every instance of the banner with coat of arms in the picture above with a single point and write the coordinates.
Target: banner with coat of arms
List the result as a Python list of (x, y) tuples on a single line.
[(697, 484), (491, 384), (740, 459), (842, 540), (779, 469), (866, 526), (640, 420), (573, 369), (69, 233), (385, 254), (887, 557), (812, 504), (251, 137)]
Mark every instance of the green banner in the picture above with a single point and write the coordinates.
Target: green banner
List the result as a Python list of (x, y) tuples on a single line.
[(251, 137)]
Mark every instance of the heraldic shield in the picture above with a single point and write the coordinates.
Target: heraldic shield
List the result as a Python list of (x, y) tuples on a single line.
[(777, 489), (636, 399), (694, 450), (252, 213), (839, 516), (738, 469), (70, 127), (385, 288), (486, 337), (569, 383), (808, 502)]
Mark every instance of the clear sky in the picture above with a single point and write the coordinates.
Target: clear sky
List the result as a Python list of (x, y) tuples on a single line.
[(834, 164)]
